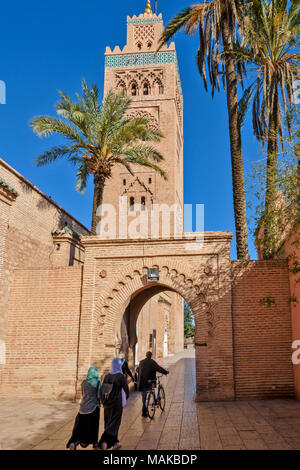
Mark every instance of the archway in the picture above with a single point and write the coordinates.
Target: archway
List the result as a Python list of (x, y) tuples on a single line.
[(115, 274), (128, 297), (153, 320)]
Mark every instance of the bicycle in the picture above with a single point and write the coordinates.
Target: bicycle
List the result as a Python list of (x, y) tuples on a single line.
[(154, 401)]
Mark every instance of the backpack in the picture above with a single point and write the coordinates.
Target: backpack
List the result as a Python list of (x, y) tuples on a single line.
[(107, 398)]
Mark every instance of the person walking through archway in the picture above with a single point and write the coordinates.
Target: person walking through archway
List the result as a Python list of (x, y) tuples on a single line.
[(113, 395), (147, 371), (86, 426), (125, 368)]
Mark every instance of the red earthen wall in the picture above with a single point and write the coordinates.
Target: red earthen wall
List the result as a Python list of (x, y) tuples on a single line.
[(262, 335), (43, 333)]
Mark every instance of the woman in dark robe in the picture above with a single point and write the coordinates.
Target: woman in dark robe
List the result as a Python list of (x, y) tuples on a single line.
[(114, 393), (86, 427), (125, 368)]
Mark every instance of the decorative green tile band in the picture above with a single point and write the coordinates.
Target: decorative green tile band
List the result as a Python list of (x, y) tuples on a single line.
[(150, 58), (67, 229), (8, 186), (72, 232), (148, 20)]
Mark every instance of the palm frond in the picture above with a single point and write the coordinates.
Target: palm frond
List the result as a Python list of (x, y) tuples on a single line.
[(82, 177), (244, 103), (56, 153), (178, 22), (100, 135)]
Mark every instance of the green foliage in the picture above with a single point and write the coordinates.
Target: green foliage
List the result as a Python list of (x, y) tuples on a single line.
[(269, 48), (216, 22), (98, 135), (267, 301), (286, 213), (207, 18), (293, 300), (189, 324)]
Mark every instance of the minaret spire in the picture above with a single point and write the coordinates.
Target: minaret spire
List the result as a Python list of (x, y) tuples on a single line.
[(148, 7)]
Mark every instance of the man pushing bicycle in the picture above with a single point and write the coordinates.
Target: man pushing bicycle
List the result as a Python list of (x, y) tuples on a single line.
[(147, 373)]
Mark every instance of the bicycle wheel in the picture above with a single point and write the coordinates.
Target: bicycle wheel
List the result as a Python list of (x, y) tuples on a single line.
[(150, 404), (162, 398)]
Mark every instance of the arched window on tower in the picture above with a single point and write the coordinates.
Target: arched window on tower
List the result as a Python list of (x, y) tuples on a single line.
[(122, 88), (158, 88), (139, 46), (133, 89), (146, 89), (143, 203), (149, 45), (132, 203)]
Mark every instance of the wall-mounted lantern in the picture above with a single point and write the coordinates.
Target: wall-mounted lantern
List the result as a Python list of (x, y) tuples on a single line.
[(153, 274)]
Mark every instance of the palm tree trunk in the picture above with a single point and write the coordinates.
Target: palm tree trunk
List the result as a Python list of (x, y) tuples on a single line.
[(269, 242), (239, 200), (99, 183)]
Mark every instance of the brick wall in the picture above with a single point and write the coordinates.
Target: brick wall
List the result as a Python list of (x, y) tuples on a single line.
[(26, 231), (243, 345), (4, 215), (262, 334), (43, 333)]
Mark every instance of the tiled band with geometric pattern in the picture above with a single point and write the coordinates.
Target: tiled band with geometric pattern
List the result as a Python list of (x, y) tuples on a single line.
[(149, 20), (150, 58)]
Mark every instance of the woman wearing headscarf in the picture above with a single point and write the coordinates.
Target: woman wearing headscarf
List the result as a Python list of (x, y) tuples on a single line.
[(114, 392), (86, 427), (125, 368)]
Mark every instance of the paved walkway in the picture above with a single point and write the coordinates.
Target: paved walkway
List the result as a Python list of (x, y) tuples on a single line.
[(36, 424)]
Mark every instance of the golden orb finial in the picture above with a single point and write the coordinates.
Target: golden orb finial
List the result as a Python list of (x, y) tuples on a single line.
[(148, 7)]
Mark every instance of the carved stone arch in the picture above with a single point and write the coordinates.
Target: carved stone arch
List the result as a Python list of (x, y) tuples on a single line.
[(153, 122), (139, 45), (111, 310), (133, 85), (146, 86), (121, 87), (131, 189), (158, 88)]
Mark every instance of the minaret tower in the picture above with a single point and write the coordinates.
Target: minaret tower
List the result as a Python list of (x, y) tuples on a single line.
[(152, 81)]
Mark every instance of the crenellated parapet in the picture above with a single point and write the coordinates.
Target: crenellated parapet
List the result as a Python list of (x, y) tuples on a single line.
[(117, 50), (143, 35), (145, 18)]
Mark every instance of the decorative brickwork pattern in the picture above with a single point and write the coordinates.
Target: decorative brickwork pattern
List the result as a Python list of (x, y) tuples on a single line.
[(153, 78), (144, 32), (153, 122)]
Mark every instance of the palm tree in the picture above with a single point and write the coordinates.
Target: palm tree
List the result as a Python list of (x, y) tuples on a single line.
[(216, 21), (271, 36), (99, 137)]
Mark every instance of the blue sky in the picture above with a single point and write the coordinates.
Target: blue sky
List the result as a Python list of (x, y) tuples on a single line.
[(51, 45)]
